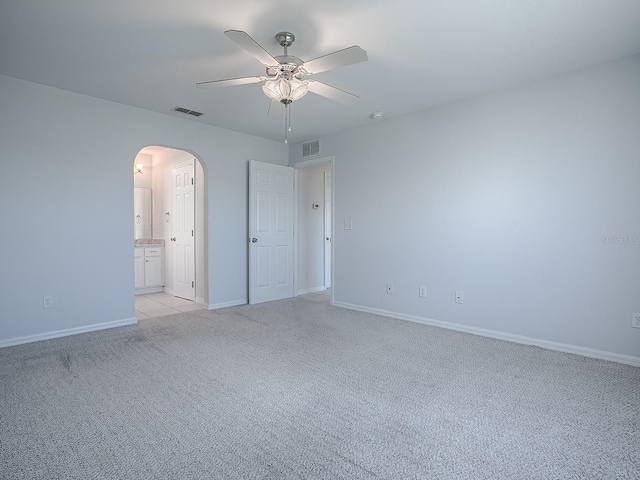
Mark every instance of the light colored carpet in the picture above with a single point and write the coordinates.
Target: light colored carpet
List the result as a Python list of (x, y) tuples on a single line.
[(301, 389)]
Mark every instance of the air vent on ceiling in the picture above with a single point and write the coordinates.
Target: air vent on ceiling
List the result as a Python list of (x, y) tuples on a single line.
[(310, 149), (187, 111)]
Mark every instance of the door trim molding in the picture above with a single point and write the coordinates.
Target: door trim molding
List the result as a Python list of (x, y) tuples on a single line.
[(314, 161)]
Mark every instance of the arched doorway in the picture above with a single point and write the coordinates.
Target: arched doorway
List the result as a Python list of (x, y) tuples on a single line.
[(170, 255)]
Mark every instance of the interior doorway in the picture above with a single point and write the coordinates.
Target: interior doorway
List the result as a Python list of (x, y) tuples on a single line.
[(175, 213), (314, 225)]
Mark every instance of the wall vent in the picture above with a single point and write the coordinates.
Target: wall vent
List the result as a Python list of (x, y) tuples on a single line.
[(187, 111), (311, 149)]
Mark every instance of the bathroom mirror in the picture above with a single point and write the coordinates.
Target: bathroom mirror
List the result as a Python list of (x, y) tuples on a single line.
[(142, 213)]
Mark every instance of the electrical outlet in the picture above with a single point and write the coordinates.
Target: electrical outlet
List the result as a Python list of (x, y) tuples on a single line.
[(47, 302), (459, 297), (389, 288), (635, 322), (422, 291)]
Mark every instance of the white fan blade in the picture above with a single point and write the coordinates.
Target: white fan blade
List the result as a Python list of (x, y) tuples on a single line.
[(251, 46), (229, 82), (332, 93), (341, 58), (276, 109)]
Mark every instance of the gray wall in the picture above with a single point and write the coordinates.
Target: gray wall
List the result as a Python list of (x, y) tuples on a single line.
[(511, 197), (526, 199), (67, 204)]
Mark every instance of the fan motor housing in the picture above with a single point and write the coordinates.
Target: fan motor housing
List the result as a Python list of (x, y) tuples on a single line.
[(288, 60), (288, 66)]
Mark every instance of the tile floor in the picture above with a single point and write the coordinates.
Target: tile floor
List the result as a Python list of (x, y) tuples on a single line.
[(161, 304)]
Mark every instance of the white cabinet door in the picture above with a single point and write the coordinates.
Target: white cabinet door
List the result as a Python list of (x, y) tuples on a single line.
[(139, 271), (153, 271)]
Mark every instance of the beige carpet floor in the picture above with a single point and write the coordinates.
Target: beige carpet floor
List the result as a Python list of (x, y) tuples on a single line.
[(300, 389)]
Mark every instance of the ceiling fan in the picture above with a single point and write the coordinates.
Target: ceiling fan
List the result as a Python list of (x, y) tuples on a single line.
[(287, 77)]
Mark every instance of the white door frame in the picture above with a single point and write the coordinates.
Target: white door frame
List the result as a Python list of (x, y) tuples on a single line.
[(310, 163), (328, 227)]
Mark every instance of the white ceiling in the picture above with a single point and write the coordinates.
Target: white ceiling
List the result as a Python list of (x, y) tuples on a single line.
[(151, 53)]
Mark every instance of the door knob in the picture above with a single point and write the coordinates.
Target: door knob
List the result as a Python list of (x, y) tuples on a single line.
[(254, 240), (173, 239)]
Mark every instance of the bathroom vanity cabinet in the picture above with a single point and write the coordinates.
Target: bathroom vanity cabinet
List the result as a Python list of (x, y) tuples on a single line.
[(149, 269)]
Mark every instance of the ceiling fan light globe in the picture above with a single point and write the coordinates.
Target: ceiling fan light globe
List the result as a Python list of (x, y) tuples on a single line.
[(277, 89), (298, 89), (270, 90), (285, 91)]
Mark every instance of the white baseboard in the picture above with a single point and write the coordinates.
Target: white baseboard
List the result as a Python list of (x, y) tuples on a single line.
[(200, 301), (304, 291), (64, 333), (232, 303), (560, 347)]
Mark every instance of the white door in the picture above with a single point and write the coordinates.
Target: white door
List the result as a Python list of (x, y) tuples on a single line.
[(270, 232), (183, 231), (328, 235)]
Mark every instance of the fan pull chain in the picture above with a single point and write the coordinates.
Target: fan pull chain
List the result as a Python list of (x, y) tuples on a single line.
[(286, 123)]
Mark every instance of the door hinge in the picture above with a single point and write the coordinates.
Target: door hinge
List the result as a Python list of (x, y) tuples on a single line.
[(192, 233), (193, 284), (192, 181)]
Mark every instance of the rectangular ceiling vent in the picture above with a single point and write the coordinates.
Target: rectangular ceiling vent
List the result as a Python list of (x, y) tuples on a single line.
[(311, 149), (187, 111)]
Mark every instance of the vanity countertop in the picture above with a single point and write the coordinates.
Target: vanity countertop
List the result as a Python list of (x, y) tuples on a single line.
[(148, 242)]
